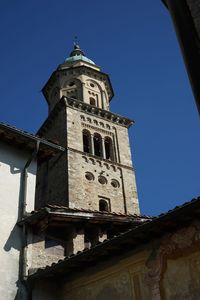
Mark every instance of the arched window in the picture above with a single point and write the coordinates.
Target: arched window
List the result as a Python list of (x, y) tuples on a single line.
[(103, 205), (92, 101), (108, 148), (97, 145), (86, 141)]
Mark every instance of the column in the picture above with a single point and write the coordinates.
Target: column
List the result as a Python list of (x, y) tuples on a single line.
[(103, 148), (78, 241), (92, 144)]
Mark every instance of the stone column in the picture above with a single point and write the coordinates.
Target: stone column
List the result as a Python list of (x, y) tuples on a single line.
[(92, 144), (103, 148), (78, 241)]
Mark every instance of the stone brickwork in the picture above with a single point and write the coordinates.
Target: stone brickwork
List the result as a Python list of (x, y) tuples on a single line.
[(51, 185), (62, 180), (83, 82), (41, 257), (84, 193), (78, 96)]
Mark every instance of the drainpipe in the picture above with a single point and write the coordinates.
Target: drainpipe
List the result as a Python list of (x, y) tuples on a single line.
[(25, 180), (23, 253)]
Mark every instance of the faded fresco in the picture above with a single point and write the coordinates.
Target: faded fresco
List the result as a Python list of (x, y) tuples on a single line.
[(182, 278), (117, 287), (168, 270)]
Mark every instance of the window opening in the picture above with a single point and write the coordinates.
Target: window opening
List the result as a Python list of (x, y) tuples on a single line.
[(102, 180), (115, 183), (108, 148), (97, 144), (86, 141), (103, 205), (89, 176), (92, 101)]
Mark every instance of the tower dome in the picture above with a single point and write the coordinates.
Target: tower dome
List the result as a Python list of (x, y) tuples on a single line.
[(78, 54)]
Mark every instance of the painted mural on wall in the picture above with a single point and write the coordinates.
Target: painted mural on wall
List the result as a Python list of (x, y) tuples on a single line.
[(170, 271), (174, 267), (111, 288)]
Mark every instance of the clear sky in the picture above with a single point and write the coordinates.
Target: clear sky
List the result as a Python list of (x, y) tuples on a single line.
[(134, 42)]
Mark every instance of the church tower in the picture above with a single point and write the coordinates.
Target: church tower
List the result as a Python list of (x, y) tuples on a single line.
[(96, 171), (87, 193)]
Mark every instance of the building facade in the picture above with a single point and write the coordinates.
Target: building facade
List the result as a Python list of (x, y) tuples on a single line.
[(87, 193), (78, 232), (158, 260), (97, 172), (19, 153)]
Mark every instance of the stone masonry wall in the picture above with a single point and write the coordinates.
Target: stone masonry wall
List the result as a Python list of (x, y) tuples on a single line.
[(40, 256), (86, 193), (51, 184)]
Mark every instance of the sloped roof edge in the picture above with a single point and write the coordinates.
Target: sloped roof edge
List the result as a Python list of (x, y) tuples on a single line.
[(133, 238)]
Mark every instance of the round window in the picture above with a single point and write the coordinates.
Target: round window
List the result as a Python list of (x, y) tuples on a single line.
[(115, 183), (92, 85), (89, 176), (102, 180)]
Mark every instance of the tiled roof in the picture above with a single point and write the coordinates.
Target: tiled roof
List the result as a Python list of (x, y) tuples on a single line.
[(128, 241), (65, 214), (23, 138), (64, 208)]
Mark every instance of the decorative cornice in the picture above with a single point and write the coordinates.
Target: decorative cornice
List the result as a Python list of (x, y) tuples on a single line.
[(87, 108), (100, 113)]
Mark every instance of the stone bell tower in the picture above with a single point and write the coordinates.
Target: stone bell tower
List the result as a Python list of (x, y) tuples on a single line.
[(87, 193), (95, 173)]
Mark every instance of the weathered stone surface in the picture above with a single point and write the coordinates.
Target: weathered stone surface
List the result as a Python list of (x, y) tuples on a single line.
[(77, 179)]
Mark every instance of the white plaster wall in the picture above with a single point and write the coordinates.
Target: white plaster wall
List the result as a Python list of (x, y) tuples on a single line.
[(12, 162)]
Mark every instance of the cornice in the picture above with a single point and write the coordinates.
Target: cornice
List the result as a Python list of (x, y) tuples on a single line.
[(98, 112), (86, 108)]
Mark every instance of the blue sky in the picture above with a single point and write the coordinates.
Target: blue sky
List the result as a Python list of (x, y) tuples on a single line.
[(135, 43)]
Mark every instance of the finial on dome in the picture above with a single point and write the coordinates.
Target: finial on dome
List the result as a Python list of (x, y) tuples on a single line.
[(77, 50)]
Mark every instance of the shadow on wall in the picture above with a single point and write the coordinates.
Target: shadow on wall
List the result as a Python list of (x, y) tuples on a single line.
[(14, 240), (15, 237), (12, 162)]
